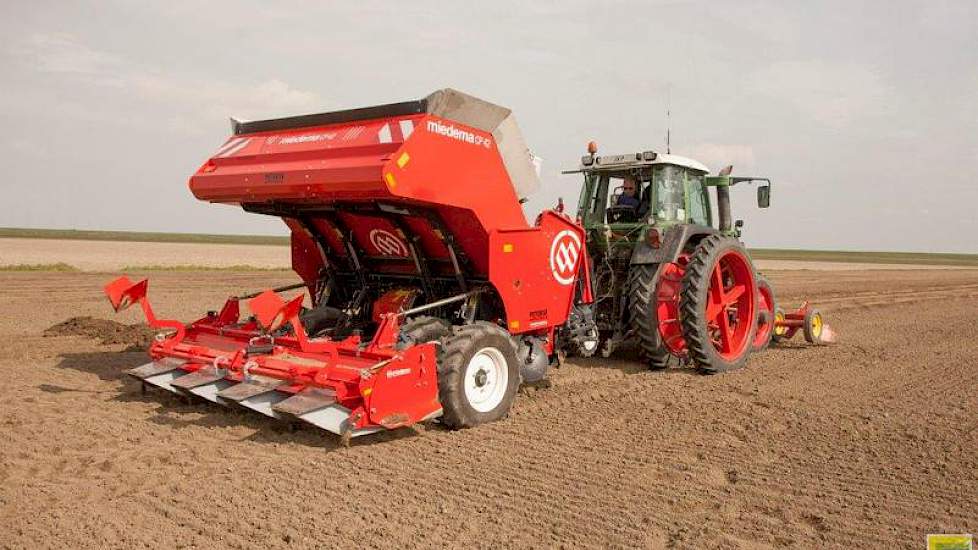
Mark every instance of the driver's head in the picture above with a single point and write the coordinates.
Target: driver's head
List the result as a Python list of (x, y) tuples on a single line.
[(629, 187)]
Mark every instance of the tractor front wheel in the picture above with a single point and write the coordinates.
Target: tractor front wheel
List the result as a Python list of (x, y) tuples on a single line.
[(718, 305), (478, 375), (642, 305)]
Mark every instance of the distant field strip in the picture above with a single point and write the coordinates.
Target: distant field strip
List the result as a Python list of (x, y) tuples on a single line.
[(836, 256), (115, 256), (60, 266), (198, 267), (137, 236), (920, 258)]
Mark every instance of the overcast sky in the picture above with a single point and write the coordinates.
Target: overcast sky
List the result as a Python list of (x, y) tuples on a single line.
[(865, 115)]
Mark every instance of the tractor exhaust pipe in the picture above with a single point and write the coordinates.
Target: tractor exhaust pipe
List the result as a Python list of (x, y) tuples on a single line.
[(723, 206)]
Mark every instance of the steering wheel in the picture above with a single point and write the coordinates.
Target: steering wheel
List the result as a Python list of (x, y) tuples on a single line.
[(622, 213)]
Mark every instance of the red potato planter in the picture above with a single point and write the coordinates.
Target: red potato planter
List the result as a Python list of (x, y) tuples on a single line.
[(431, 294)]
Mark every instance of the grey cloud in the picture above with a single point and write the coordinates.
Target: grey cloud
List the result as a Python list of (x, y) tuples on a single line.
[(864, 114)]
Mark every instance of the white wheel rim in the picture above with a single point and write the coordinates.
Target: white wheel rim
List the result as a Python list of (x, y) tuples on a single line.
[(486, 379)]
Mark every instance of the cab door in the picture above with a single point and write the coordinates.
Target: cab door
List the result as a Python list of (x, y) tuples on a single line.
[(697, 200)]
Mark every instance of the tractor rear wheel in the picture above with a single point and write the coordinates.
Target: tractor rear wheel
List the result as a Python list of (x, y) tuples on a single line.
[(718, 305), (642, 304), (766, 308), (478, 375)]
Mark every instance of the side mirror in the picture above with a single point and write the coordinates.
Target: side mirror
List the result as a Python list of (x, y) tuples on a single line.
[(764, 196)]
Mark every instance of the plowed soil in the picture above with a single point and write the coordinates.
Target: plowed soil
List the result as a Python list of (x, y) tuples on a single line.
[(868, 443)]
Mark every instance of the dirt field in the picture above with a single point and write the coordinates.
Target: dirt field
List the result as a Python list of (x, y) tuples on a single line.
[(869, 443)]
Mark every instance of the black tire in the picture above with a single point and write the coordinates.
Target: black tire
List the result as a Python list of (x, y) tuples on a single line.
[(420, 330), (318, 319), (775, 335), (765, 316), (812, 334), (692, 307), (454, 355), (642, 317)]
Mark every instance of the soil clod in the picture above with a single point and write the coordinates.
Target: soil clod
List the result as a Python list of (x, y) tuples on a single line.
[(136, 337)]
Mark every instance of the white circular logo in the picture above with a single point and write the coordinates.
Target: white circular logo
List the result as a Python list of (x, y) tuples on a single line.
[(388, 243), (564, 251)]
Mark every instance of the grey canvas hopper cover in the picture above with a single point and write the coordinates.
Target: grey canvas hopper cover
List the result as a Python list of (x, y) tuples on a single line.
[(521, 165)]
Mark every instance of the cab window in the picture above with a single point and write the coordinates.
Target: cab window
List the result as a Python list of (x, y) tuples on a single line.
[(699, 208), (667, 182), (603, 191), (591, 201)]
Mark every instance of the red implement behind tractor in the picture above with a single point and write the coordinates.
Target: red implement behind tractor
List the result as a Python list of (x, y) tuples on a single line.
[(429, 293), (807, 319)]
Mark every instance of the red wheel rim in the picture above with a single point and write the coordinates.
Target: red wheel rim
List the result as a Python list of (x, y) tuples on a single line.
[(764, 325), (667, 306), (731, 304)]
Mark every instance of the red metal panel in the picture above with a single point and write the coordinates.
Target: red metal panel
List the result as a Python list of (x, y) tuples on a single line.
[(376, 235), (470, 236), (431, 244), (452, 164), (404, 391), (331, 234), (535, 270), (341, 160), (307, 260), (392, 302)]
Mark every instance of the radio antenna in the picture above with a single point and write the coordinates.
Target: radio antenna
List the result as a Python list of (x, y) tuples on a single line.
[(668, 120)]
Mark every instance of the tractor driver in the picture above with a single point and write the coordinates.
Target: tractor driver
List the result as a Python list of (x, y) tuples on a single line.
[(629, 193)]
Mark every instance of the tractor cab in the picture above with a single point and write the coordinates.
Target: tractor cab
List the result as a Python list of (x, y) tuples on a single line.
[(624, 195)]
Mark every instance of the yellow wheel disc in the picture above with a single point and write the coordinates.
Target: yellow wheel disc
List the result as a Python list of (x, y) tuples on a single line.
[(817, 325), (780, 331)]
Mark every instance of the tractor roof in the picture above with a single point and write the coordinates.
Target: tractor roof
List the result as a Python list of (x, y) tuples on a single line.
[(611, 163), (681, 161)]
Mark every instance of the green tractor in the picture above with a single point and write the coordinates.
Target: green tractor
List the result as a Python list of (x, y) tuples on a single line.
[(666, 271)]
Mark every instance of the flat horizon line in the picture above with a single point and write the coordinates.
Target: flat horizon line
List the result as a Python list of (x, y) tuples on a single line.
[(803, 254)]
